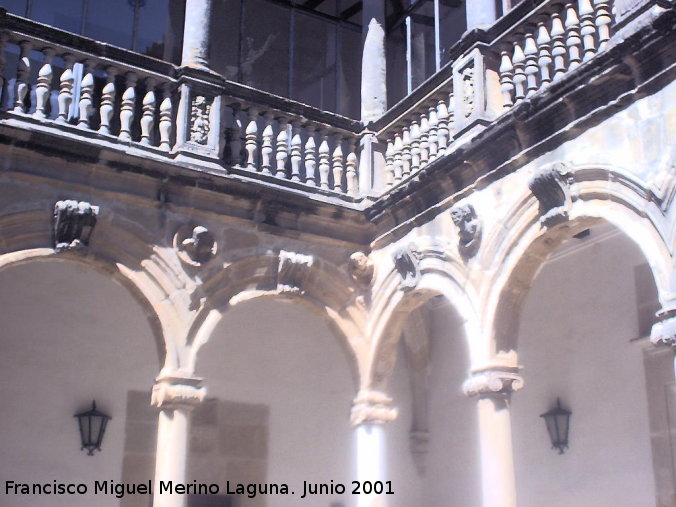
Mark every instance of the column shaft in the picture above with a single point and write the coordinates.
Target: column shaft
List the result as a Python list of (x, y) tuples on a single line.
[(374, 71), (172, 454), (196, 33), (370, 461), (481, 13)]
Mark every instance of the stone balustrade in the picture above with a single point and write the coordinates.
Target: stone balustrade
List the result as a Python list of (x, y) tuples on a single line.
[(555, 39), (68, 85), (269, 141)]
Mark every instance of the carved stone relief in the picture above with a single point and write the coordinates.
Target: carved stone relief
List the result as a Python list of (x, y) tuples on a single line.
[(664, 330), (199, 120), (550, 187), (468, 91), (293, 271), (361, 268), (469, 229), (372, 407), (493, 382), (406, 262), (195, 245), (73, 224)]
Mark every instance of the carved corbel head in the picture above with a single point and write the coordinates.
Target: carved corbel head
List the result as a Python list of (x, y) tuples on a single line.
[(406, 262), (550, 187), (361, 269), (469, 229), (74, 223)]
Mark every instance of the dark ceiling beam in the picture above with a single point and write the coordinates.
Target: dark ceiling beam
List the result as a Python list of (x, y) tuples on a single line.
[(351, 10), (312, 4)]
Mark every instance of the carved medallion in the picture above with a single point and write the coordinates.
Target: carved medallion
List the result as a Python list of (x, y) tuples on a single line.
[(74, 223), (469, 229), (195, 245)]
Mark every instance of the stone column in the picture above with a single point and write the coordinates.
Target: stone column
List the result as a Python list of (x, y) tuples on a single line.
[(196, 34), (175, 397), (481, 13), (664, 330), (493, 388), (370, 411), (374, 73)]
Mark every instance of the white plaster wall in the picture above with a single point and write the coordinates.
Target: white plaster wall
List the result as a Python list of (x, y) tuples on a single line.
[(279, 354), (67, 334), (574, 342)]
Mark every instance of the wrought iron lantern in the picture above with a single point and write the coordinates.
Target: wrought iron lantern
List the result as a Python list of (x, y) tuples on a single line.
[(558, 423), (92, 427)]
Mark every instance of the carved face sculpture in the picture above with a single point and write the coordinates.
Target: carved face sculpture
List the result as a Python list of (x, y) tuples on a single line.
[(361, 268), (464, 219)]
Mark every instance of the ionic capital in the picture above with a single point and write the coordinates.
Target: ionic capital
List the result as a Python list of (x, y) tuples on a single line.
[(493, 381), (664, 330), (372, 407), (178, 392)]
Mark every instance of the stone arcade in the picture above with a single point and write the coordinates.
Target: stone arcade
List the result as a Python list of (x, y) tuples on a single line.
[(306, 297)]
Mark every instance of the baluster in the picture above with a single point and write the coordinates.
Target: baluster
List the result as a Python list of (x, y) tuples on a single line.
[(451, 117), (573, 40), (66, 83), (165, 123), (266, 146), (415, 147), (85, 107), (324, 161), (23, 70), (398, 159), (108, 101), (44, 84), (389, 164), (310, 158), (127, 106), (442, 132), (603, 20), (558, 46), (251, 143), (235, 156), (406, 152), (518, 60), (530, 51), (587, 28), (148, 115), (351, 176), (282, 148), (545, 59), (296, 148), (506, 80), (434, 136), (424, 140), (338, 165)]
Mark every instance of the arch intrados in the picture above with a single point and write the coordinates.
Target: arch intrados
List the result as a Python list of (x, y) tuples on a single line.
[(44, 255)]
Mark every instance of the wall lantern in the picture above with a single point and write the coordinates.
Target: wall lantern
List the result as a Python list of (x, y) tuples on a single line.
[(558, 421), (92, 427)]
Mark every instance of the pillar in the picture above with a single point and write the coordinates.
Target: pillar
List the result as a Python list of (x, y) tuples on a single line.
[(175, 397), (664, 330), (196, 34), (371, 410), (481, 13), (373, 65), (493, 388)]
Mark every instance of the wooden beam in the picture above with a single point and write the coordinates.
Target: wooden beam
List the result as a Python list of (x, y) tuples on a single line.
[(351, 11)]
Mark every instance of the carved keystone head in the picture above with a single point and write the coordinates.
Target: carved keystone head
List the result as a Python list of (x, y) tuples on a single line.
[(361, 268), (550, 187), (74, 223), (195, 245), (406, 262), (469, 229)]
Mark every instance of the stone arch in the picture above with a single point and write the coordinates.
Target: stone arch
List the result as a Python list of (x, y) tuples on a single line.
[(113, 252), (392, 305), (520, 249), (318, 286)]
